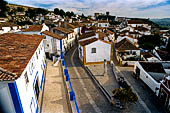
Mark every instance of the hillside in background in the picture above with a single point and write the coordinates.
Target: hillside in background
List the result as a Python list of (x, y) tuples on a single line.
[(164, 23), (16, 6)]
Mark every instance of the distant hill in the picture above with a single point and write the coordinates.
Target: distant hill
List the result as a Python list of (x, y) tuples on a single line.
[(16, 6), (164, 22)]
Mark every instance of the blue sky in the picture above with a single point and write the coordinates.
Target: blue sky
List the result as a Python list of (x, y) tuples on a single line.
[(130, 8)]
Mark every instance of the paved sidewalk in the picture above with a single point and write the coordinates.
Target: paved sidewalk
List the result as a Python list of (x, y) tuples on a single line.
[(107, 79), (54, 100)]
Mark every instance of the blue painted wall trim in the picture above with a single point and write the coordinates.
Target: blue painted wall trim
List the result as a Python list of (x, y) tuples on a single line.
[(35, 78), (37, 109), (34, 90), (42, 80), (15, 97)]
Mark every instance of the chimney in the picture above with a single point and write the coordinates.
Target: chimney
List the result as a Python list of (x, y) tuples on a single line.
[(97, 35)]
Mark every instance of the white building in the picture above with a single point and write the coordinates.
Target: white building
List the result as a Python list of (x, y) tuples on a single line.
[(95, 51), (139, 23), (22, 71), (132, 39), (152, 73), (103, 23), (6, 27), (52, 43), (127, 53), (69, 41), (35, 29)]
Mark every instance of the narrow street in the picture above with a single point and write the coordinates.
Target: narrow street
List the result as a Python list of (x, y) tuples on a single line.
[(89, 98), (142, 89)]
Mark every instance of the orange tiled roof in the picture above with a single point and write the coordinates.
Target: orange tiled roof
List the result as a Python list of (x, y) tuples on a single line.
[(103, 21), (109, 31), (86, 42), (125, 44), (34, 28), (15, 52), (87, 35), (53, 35), (136, 22), (7, 24), (64, 30)]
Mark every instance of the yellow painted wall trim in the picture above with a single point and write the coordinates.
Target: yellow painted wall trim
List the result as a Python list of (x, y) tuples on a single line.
[(111, 53), (93, 63), (84, 55)]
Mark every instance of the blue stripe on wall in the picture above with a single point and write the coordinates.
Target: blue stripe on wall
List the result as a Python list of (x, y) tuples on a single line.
[(15, 97), (42, 80), (35, 78), (37, 109)]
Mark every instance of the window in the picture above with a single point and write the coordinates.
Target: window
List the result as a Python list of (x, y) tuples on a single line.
[(36, 55), (93, 50), (45, 37), (47, 45), (39, 50), (37, 90), (26, 79)]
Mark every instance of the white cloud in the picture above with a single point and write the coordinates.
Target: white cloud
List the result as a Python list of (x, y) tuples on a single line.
[(133, 8)]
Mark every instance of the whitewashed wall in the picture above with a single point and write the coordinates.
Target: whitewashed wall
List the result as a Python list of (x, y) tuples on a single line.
[(27, 92), (44, 28), (147, 79), (132, 40), (103, 51), (5, 29), (103, 25)]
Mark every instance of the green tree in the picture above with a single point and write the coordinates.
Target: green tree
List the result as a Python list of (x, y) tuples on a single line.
[(72, 13), (56, 11), (20, 9), (62, 13), (82, 15), (13, 11), (41, 11), (149, 42), (125, 95), (68, 14), (31, 13), (3, 8)]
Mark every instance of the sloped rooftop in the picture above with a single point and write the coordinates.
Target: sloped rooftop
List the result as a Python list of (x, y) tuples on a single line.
[(53, 35), (125, 44), (34, 28), (64, 30), (15, 52)]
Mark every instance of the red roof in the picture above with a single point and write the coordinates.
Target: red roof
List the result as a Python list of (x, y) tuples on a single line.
[(34, 28), (53, 35), (16, 51)]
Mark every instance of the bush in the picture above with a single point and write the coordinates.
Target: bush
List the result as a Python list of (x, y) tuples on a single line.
[(125, 95)]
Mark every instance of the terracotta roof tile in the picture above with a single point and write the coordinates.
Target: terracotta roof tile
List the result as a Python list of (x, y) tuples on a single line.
[(136, 22), (64, 30), (125, 44), (109, 31), (34, 28), (86, 42), (87, 35), (53, 35), (7, 24), (15, 52)]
